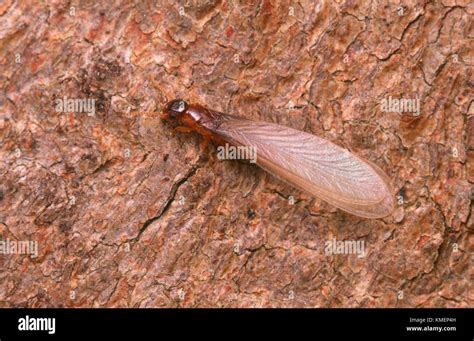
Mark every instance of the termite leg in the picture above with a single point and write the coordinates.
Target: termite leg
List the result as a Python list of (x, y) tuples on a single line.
[(204, 143), (182, 129)]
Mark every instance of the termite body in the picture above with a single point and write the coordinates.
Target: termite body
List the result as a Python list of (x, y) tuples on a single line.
[(194, 117), (307, 162)]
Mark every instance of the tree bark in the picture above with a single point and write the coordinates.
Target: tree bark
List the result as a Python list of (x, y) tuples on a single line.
[(126, 214)]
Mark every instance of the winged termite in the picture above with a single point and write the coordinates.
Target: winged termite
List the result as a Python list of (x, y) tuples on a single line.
[(307, 162)]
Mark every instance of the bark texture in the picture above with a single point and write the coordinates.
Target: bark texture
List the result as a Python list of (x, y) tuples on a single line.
[(127, 215)]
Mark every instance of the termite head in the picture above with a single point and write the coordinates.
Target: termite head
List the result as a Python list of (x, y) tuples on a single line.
[(174, 109)]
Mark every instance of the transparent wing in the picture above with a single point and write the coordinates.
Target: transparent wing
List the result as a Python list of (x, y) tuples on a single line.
[(314, 165)]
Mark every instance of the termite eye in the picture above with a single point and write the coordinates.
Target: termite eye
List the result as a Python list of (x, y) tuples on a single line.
[(178, 106), (174, 109)]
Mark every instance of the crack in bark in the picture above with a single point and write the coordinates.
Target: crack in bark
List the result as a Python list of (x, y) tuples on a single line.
[(167, 204)]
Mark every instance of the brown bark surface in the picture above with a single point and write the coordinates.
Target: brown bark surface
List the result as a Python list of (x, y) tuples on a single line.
[(127, 215)]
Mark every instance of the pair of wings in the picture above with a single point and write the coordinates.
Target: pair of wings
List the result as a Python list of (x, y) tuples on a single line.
[(314, 165)]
